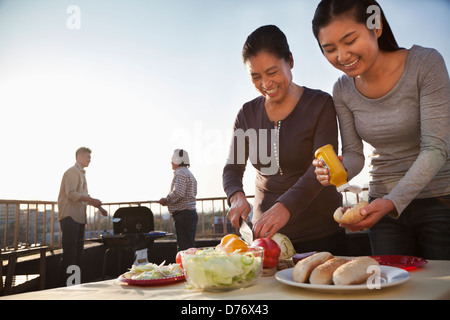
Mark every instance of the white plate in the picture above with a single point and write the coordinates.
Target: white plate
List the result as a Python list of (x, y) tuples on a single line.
[(389, 276)]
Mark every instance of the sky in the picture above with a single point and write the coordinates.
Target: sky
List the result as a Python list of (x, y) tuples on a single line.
[(134, 79)]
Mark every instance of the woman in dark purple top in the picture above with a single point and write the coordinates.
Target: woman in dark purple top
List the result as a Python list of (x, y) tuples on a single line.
[(279, 133)]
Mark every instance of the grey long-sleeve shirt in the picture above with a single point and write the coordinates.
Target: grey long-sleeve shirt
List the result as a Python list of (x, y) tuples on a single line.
[(408, 128)]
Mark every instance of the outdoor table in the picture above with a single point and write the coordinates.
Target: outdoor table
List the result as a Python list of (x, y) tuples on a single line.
[(430, 282)]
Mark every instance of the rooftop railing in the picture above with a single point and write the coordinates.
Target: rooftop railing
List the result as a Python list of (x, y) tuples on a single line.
[(28, 224)]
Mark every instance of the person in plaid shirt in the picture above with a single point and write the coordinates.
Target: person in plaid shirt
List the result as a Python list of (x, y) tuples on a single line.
[(181, 200)]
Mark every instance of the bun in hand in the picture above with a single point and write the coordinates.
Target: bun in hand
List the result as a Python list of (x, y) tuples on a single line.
[(351, 215)]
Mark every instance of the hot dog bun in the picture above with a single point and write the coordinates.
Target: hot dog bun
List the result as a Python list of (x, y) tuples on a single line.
[(303, 268), (351, 215), (323, 274), (354, 271)]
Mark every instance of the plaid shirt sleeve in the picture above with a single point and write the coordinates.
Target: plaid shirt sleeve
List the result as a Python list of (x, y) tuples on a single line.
[(178, 189), (183, 191)]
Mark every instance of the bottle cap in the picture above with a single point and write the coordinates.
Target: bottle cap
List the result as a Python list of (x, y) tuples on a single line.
[(349, 188), (343, 187)]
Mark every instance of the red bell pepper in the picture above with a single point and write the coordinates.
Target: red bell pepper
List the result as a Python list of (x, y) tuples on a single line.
[(271, 251)]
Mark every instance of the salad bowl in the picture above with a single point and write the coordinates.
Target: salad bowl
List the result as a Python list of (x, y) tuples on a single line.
[(212, 269)]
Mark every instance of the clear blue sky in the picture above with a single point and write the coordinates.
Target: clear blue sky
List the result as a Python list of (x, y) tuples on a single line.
[(141, 78)]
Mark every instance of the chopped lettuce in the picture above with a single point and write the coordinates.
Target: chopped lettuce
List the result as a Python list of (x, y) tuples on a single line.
[(152, 271), (211, 268)]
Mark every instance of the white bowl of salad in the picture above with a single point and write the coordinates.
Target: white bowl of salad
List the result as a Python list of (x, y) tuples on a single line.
[(213, 269)]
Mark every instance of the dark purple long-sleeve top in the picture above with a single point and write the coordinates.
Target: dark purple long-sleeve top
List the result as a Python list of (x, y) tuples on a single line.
[(282, 154)]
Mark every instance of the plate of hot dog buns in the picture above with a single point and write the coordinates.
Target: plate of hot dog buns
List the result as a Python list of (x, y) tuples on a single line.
[(324, 272)]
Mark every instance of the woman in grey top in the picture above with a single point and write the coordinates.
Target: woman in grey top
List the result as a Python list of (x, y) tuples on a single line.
[(398, 101)]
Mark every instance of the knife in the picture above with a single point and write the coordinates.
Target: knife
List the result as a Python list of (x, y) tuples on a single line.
[(245, 231)]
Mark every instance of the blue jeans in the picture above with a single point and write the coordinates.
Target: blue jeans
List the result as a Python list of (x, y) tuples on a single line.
[(423, 230), (185, 223)]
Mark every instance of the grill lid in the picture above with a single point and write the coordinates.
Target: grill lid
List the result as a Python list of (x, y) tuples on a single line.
[(133, 220)]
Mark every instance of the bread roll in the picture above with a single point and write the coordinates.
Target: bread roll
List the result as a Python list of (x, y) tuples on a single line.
[(323, 274), (351, 215), (354, 271), (303, 268)]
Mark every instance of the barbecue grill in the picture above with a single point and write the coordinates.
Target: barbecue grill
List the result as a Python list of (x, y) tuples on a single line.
[(133, 229)]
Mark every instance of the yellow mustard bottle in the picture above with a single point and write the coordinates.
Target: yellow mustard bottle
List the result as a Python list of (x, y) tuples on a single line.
[(338, 174)]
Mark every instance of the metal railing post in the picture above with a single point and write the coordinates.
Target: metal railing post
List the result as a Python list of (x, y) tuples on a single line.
[(52, 226), (16, 229)]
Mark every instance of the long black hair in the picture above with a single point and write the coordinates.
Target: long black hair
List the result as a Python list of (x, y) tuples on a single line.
[(327, 10)]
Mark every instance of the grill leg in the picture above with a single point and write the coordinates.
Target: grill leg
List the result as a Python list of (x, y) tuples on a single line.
[(119, 263), (105, 258)]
